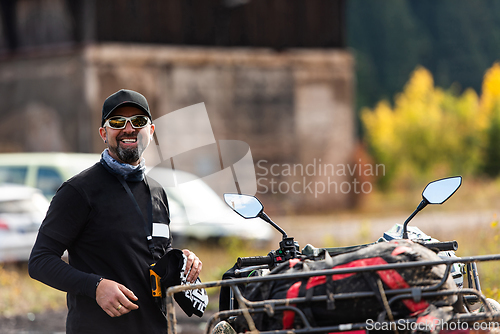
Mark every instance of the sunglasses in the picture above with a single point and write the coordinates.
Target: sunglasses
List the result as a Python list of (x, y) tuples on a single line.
[(120, 122)]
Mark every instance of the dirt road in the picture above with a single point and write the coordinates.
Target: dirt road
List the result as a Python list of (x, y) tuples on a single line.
[(345, 230), (54, 322)]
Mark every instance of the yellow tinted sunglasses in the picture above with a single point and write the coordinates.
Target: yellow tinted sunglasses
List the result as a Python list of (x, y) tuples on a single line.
[(120, 122)]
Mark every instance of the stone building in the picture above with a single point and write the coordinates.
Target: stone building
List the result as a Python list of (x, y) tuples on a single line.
[(274, 74)]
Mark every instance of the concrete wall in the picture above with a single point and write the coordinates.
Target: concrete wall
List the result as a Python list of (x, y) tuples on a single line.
[(43, 104), (292, 108)]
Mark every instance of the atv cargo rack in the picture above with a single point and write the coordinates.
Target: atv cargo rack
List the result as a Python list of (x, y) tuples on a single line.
[(246, 307)]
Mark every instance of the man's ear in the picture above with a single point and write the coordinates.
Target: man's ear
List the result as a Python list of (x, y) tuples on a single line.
[(103, 134), (151, 131)]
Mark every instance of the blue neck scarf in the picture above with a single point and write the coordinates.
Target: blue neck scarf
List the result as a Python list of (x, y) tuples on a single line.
[(126, 171)]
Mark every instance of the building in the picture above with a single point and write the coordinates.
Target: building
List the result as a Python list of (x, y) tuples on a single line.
[(272, 73)]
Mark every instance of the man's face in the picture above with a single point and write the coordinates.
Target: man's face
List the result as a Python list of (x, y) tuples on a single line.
[(127, 145)]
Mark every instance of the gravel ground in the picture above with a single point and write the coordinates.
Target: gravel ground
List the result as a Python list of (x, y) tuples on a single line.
[(42, 323), (54, 322)]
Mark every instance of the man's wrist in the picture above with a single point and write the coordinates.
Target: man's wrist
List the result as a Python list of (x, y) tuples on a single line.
[(98, 282)]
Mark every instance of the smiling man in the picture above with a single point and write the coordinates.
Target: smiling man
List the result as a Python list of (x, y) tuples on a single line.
[(114, 223), (126, 126)]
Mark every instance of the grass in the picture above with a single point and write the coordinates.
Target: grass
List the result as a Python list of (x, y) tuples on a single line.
[(19, 294), (484, 242), (477, 194)]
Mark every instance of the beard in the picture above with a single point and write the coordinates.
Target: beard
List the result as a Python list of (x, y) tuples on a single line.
[(128, 155)]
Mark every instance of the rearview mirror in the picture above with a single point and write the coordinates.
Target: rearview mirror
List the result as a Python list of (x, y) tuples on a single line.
[(244, 205), (439, 191), (436, 192)]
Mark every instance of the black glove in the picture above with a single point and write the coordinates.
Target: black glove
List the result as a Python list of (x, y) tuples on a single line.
[(171, 270)]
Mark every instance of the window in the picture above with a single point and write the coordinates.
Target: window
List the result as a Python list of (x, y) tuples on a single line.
[(13, 174), (48, 180)]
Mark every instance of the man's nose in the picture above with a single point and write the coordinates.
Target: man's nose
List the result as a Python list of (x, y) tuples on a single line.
[(128, 127)]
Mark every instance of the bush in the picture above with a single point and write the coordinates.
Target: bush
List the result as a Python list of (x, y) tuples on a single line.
[(431, 132)]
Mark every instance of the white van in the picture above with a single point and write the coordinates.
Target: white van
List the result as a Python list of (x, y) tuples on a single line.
[(45, 171)]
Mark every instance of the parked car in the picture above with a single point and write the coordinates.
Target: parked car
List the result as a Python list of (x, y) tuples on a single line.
[(45, 171), (198, 212), (22, 210)]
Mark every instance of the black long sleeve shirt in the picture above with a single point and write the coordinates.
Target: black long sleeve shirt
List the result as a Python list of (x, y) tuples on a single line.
[(94, 218)]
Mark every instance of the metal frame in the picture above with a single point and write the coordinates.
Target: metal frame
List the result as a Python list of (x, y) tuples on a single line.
[(271, 305)]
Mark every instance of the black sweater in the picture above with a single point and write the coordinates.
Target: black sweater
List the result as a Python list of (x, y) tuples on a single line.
[(94, 218)]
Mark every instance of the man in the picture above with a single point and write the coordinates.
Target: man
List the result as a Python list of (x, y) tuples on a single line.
[(114, 223)]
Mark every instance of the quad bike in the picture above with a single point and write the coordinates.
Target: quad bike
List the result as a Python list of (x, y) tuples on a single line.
[(406, 282)]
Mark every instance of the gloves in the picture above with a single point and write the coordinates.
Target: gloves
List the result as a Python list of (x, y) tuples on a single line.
[(171, 269)]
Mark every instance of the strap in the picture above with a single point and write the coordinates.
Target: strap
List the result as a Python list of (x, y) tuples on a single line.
[(150, 206), (371, 280), (147, 226), (330, 290), (308, 293)]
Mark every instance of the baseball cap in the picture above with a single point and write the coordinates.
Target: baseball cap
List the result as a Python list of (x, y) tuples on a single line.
[(122, 98)]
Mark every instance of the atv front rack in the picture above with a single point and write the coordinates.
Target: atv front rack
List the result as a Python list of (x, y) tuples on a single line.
[(269, 306)]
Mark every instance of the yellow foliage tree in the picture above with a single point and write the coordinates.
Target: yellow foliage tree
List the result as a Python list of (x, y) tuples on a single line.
[(429, 132), (490, 107), (491, 89)]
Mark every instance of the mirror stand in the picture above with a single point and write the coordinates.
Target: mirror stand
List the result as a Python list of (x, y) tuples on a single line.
[(266, 218), (422, 205)]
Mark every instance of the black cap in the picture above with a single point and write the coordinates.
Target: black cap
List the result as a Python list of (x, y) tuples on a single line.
[(123, 98)]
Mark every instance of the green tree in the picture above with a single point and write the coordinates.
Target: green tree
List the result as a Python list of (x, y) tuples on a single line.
[(387, 45), (456, 40)]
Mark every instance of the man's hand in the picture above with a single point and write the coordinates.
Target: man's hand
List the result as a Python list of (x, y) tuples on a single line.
[(193, 265), (114, 298)]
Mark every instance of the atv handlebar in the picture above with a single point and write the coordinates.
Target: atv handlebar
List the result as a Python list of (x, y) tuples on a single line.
[(442, 246), (254, 261), (269, 259)]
